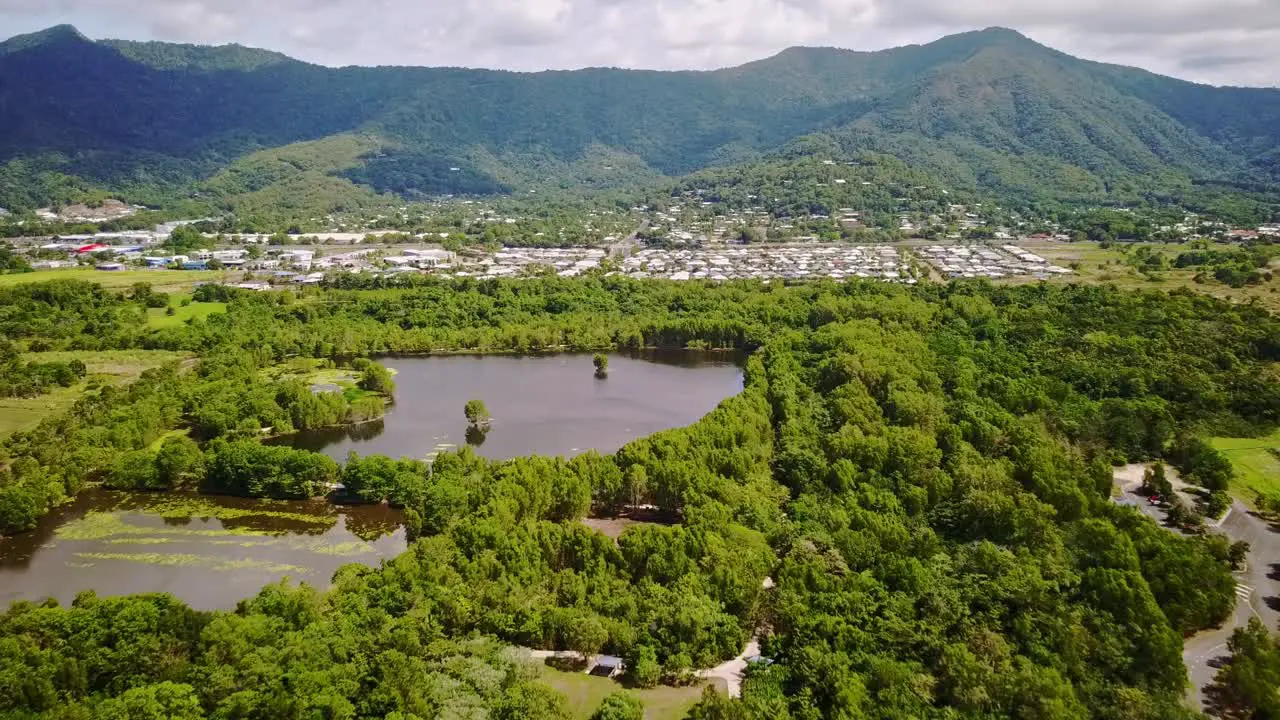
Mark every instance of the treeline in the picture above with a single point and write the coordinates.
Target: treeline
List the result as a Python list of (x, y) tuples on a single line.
[(1235, 267), (22, 378), (11, 263), (286, 653), (69, 315)]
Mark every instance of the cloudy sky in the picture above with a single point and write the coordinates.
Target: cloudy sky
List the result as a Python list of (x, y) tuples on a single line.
[(1217, 41)]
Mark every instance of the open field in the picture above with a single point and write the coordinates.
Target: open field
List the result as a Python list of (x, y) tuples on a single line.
[(161, 280), (25, 413), (113, 367), (1092, 264), (585, 693), (120, 365), (158, 319), (1257, 470)]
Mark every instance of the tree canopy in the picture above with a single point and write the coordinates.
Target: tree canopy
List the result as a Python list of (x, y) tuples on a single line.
[(923, 473)]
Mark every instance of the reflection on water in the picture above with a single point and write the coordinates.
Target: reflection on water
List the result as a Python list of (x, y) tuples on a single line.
[(208, 551), (316, 440), (541, 404), (476, 436)]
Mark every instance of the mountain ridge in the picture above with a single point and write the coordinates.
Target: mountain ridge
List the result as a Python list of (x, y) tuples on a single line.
[(991, 34), (989, 109)]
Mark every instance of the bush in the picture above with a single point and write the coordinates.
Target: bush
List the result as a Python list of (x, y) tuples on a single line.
[(135, 471), (620, 706), (376, 378), (178, 460), (1204, 465)]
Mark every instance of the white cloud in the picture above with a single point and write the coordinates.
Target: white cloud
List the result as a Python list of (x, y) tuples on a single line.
[(1219, 41)]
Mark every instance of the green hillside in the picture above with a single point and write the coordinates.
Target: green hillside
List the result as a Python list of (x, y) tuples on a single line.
[(990, 111)]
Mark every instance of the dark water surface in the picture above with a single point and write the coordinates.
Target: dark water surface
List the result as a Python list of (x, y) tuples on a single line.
[(208, 551), (212, 551), (541, 405)]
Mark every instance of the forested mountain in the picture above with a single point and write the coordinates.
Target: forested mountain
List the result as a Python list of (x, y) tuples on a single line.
[(987, 110)]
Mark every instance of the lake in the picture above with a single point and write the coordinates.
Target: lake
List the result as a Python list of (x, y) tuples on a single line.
[(209, 551), (214, 551), (541, 404)]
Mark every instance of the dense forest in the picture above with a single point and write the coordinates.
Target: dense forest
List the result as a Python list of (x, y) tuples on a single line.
[(924, 474)]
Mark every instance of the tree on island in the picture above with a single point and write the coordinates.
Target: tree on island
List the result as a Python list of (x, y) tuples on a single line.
[(374, 377), (601, 361), (477, 414)]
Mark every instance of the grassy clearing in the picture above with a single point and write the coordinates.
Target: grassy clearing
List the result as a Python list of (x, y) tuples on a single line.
[(123, 365), (614, 527), (155, 446), (1095, 265), (159, 318), (107, 367), (25, 413), (162, 280), (585, 693), (1257, 470)]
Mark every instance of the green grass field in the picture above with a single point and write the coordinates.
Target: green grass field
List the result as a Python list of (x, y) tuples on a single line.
[(585, 693), (161, 280), (124, 365), (1257, 470), (158, 319), (107, 367)]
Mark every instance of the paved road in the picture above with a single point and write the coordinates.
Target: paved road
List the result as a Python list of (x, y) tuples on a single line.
[(623, 248), (1257, 590), (1257, 585), (732, 672)]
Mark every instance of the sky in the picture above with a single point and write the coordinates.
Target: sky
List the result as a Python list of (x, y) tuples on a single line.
[(1223, 42)]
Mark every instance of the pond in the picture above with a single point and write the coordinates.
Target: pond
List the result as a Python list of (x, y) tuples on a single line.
[(214, 551), (208, 551), (541, 405)]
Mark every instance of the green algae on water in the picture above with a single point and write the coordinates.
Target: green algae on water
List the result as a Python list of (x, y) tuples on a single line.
[(191, 506), (105, 526), (190, 560), (113, 529)]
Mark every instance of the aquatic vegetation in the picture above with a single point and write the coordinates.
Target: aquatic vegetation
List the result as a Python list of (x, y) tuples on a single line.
[(108, 525), (190, 560), (192, 506), (342, 549), (113, 528)]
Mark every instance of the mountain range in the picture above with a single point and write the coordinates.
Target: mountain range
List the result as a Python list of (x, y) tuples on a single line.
[(991, 111)]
